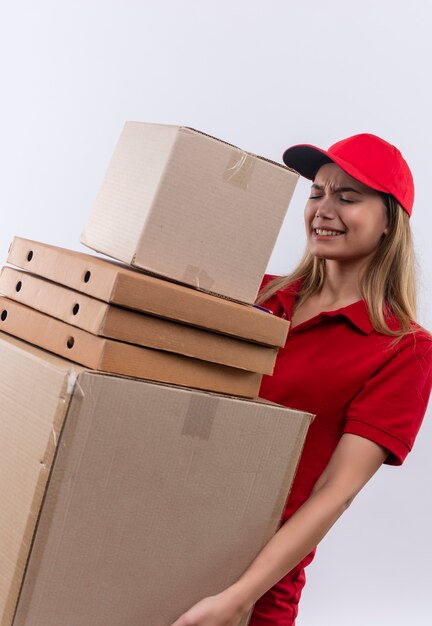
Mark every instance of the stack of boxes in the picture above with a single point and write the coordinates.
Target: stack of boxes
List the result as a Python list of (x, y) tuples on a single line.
[(135, 324), (127, 500)]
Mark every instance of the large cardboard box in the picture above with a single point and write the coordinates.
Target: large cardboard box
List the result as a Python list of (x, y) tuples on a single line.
[(126, 359), (184, 205), (117, 284), (125, 502), (105, 320)]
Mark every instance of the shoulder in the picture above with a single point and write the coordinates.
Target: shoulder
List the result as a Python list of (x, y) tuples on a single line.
[(278, 293), (418, 340), (412, 354), (420, 333), (281, 283)]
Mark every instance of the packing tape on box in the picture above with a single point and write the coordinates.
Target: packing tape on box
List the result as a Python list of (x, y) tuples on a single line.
[(200, 416), (71, 380), (239, 169), (197, 277)]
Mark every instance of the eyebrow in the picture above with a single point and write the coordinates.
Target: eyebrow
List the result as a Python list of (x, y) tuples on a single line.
[(336, 189)]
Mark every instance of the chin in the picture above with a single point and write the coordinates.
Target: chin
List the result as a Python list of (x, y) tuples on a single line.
[(327, 254)]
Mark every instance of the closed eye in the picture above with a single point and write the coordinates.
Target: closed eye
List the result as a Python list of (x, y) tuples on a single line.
[(341, 199)]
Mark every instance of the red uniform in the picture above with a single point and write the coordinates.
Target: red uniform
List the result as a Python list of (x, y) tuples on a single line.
[(338, 367)]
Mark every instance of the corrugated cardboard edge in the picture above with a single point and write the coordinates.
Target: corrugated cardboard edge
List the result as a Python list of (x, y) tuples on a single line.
[(71, 381), (182, 128), (281, 165), (40, 286), (135, 262), (176, 281), (292, 467), (290, 475), (98, 246), (73, 408), (92, 262)]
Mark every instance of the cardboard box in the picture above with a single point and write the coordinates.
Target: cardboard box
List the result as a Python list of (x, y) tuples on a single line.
[(126, 359), (125, 502), (102, 319), (116, 284), (184, 205)]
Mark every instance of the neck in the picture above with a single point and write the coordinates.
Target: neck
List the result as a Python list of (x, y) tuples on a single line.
[(342, 281)]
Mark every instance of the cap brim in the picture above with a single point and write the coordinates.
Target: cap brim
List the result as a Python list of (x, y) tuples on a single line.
[(306, 159)]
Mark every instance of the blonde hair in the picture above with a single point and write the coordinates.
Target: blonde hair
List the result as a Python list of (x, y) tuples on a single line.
[(388, 285)]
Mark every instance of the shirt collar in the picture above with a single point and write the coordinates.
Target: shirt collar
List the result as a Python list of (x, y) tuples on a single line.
[(357, 312)]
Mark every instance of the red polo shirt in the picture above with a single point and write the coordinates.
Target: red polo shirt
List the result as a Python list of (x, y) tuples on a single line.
[(338, 367)]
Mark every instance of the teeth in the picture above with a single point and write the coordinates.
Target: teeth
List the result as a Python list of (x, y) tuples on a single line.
[(321, 231)]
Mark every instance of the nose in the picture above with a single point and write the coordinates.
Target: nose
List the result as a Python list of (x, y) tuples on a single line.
[(325, 208)]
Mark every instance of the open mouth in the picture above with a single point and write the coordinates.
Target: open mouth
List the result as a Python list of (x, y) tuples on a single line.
[(327, 233)]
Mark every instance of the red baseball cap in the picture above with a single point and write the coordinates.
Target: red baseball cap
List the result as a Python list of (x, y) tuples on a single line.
[(367, 158)]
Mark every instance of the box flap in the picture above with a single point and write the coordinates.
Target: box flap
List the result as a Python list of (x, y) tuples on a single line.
[(35, 393)]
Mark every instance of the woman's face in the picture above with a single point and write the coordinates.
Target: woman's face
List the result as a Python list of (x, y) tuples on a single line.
[(345, 220)]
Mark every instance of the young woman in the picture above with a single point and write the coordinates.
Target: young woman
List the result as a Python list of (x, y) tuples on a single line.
[(354, 357)]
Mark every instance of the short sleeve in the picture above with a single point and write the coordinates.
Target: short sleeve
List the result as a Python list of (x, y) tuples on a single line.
[(390, 407)]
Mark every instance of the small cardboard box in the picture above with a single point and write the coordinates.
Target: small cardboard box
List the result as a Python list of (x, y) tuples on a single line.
[(125, 502), (105, 320), (125, 287), (121, 358), (186, 206)]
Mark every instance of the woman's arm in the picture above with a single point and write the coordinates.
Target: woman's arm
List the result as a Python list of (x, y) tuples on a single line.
[(352, 464)]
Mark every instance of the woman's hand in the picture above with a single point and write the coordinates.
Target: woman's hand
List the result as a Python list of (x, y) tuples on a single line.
[(223, 609)]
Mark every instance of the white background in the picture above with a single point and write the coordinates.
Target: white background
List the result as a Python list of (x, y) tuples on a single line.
[(261, 75)]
